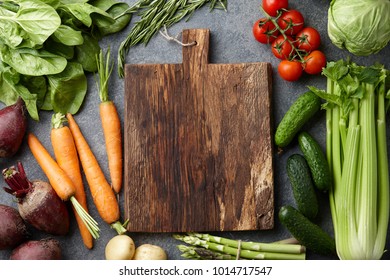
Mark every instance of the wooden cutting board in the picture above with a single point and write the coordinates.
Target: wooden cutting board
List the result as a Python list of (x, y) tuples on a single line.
[(198, 149)]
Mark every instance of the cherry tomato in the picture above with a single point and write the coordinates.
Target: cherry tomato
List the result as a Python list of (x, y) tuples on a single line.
[(271, 7), (264, 31), (282, 48), (314, 62), (291, 21), (308, 39), (290, 70)]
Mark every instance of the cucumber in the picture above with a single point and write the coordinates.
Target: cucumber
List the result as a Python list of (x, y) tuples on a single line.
[(297, 115), (306, 232), (316, 160), (302, 185)]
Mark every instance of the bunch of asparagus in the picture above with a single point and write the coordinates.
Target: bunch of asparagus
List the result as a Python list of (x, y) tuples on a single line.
[(210, 247)]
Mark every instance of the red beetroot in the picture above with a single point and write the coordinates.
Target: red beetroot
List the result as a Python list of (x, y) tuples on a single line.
[(38, 203), (45, 249), (13, 230), (13, 125)]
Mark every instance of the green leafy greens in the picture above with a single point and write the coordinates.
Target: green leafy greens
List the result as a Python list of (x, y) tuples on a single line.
[(46, 46), (360, 26), (357, 100)]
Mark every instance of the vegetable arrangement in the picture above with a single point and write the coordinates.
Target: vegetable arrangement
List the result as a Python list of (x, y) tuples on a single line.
[(47, 46), (307, 174), (356, 104), (360, 26), (355, 169), (206, 246), (60, 181), (38, 203), (295, 44), (39, 206), (67, 158), (102, 193), (122, 247)]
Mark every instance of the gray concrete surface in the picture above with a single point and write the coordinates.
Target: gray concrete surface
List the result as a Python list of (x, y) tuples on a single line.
[(231, 41)]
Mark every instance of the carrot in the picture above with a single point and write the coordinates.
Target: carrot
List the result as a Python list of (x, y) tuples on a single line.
[(67, 158), (101, 191), (60, 182), (110, 123)]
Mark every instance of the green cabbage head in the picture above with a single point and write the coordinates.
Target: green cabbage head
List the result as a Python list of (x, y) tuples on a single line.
[(360, 26)]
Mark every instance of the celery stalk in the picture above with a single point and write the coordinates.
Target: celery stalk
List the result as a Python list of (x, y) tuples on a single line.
[(357, 155), (383, 190), (367, 220)]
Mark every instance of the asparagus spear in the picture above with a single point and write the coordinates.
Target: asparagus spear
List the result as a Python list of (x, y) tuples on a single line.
[(198, 253), (223, 247), (254, 246)]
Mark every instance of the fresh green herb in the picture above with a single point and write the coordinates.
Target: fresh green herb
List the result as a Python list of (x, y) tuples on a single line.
[(215, 247), (357, 153), (155, 14)]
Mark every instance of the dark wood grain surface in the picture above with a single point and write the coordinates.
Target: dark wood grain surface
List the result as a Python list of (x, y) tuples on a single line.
[(198, 149)]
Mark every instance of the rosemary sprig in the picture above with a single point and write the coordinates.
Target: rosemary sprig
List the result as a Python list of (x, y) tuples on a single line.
[(154, 15)]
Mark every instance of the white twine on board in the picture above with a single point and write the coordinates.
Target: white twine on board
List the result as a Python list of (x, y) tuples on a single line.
[(175, 39)]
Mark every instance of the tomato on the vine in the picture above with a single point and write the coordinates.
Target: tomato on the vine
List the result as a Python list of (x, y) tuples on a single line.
[(271, 7), (290, 70), (291, 21), (314, 62), (265, 31), (308, 39), (282, 48)]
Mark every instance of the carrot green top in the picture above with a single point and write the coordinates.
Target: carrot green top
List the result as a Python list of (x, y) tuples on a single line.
[(104, 71)]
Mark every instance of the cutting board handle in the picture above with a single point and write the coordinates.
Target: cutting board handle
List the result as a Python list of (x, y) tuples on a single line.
[(196, 55)]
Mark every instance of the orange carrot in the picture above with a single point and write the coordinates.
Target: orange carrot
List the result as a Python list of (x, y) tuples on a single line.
[(60, 181), (113, 137), (67, 158), (102, 193), (111, 124)]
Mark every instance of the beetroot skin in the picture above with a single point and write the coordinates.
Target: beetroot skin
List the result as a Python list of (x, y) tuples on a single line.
[(45, 249), (38, 203), (13, 125), (13, 230)]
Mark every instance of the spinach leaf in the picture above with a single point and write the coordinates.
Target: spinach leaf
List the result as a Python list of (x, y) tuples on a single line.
[(30, 26), (53, 3), (68, 89), (73, 1), (32, 62), (11, 89), (8, 78), (120, 23), (30, 100), (59, 49), (36, 85), (86, 53), (68, 36), (84, 11), (103, 4)]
